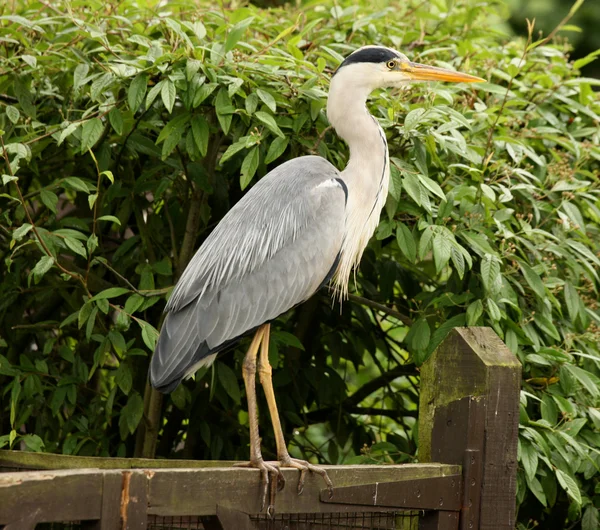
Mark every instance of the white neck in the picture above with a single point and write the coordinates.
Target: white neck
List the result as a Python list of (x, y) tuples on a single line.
[(367, 172)]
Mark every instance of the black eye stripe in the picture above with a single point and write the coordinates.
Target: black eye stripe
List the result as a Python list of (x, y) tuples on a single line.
[(370, 55)]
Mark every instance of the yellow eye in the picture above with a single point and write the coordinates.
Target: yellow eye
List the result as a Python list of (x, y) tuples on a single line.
[(391, 64)]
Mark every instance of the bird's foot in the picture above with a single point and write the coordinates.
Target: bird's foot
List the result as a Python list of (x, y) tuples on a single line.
[(272, 481), (304, 466)]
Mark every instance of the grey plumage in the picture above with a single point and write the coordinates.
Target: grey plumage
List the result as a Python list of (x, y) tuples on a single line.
[(271, 251), (302, 222)]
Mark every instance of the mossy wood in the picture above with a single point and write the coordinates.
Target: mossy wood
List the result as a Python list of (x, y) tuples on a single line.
[(469, 415), (89, 494)]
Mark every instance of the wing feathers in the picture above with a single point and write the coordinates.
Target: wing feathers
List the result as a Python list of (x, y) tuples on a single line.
[(269, 253)]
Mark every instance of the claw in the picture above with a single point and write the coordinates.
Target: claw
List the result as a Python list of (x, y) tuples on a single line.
[(304, 466)]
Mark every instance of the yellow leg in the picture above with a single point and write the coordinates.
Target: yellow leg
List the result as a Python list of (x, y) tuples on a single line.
[(270, 473), (265, 372)]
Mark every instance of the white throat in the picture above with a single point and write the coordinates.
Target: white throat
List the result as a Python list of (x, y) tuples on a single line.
[(367, 173)]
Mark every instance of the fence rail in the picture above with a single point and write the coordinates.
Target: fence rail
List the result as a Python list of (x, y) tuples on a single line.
[(468, 423)]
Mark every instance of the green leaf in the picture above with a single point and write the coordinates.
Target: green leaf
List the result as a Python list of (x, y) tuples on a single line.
[(109, 175), (536, 488), (549, 409), (586, 379), (276, 149), (235, 34), (529, 459), (91, 131), (441, 332), (269, 121), (12, 113), (411, 184), (49, 200), (22, 231), (591, 518), (419, 335), (474, 312), (490, 273), (137, 92), (200, 132), (572, 300), (115, 117), (287, 339), (234, 149), (413, 118), (442, 249), (92, 243), (42, 267), (131, 414), (493, 310), (432, 186), (111, 292), (533, 280), (574, 215), (75, 183), (118, 342), (8, 178), (110, 218), (229, 381), (569, 485), (406, 242), (84, 313), (33, 442), (249, 167), (149, 334), (76, 246), (267, 99), (168, 94)]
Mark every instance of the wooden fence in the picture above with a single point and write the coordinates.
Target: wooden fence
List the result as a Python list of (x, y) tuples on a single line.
[(468, 424)]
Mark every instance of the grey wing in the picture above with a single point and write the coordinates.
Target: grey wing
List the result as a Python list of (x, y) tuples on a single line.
[(272, 250)]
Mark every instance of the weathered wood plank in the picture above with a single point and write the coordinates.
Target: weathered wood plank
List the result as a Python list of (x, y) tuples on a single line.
[(198, 491), (29, 460), (470, 390), (51, 496), (134, 500), (439, 521), (110, 516)]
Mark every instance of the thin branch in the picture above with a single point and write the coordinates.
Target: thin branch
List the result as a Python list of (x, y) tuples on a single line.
[(325, 414), (407, 321), (375, 384), (351, 404), (34, 227)]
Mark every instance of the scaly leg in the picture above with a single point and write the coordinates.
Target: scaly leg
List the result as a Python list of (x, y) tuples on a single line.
[(270, 473), (285, 460)]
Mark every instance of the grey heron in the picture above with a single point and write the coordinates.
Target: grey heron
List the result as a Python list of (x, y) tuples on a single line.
[(301, 226)]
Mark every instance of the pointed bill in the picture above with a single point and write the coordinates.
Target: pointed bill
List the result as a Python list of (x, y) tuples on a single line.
[(423, 72)]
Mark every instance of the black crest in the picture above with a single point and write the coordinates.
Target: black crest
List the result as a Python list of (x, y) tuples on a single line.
[(375, 54)]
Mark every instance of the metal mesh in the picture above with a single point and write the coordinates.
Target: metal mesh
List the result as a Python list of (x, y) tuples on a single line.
[(62, 525), (397, 520), (189, 522), (347, 521)]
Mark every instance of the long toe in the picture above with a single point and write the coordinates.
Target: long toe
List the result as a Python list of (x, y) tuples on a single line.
[(305, 466), (271, 480)]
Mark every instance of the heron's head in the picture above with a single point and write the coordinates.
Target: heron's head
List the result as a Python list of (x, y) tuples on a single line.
[(374, 67)]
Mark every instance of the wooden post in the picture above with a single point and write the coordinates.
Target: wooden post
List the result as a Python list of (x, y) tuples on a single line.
[(469, 415)]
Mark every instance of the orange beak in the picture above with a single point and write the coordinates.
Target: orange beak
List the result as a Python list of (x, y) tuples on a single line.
[(423, 72)]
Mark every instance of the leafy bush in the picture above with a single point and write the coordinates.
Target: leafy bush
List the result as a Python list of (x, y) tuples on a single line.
[(129, 131)]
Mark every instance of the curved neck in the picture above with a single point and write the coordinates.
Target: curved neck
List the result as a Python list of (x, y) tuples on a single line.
[(348, 115), (367, 172)]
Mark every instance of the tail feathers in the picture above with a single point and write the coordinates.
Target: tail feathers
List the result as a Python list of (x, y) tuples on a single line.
[(178, 353)]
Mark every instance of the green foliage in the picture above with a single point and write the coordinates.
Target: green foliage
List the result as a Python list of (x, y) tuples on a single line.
[(129, 132)]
